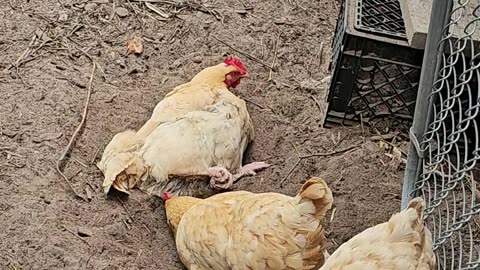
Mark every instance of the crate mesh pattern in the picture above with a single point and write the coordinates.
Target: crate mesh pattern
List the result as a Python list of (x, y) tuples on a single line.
[(384, 88), (380, 17)]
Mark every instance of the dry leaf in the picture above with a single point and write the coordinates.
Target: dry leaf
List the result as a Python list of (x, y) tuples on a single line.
[(135, 46)]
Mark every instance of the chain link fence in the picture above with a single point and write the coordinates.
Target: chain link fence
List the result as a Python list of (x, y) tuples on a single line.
[(443, 164)]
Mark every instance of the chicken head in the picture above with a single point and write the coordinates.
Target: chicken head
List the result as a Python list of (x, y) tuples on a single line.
[(233, 78), (175, 207)]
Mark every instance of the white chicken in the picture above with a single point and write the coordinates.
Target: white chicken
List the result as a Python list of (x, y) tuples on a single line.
[(199, 129), (206, 143)]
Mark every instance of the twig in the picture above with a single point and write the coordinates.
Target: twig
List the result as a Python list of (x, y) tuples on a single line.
[(10, 263), (24, 54), (333, 214), (136, 14), (251, 57), (94, 156), (81, 163), (295, 148), (274, 59), (89, 57), (74, 234), (69, 145), (126, 210), (290, 171), (317, 103), (156, 10), (146, 228), (320, 54), (332, 152), (384, 137), (254, 103), (300, 158)]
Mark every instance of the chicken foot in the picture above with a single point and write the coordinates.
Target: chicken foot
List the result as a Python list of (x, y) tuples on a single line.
[(221, 178)]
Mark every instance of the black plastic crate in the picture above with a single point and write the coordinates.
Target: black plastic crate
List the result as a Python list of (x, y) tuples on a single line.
[(373, 76)]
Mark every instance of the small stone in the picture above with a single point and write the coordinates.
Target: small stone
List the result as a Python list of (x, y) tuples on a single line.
[(47, 137), (47, 201), (197, 59), (84, 232), (63, 17), (90, 7), (42, 196), (9, 133), (121, 12)]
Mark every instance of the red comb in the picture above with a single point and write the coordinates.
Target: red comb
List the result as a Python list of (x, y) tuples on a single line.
[(231, 60), (166, 196)]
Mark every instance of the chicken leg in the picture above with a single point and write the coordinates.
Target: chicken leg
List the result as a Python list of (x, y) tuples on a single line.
[(221, 178)]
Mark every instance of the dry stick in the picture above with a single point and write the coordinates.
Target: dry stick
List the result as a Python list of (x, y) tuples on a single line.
[(254, 103), (320, 54), (251, 57), (290, 171), (300, 158), (126, 210), (274, 59), (74, 234), (332, 152), (24, 54), (94, 156), (69, 145)]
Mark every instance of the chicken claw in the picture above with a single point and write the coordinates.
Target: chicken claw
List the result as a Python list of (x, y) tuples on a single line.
[(220, 178), (252, 168)]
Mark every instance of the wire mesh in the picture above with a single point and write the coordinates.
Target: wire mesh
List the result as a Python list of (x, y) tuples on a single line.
[(450, 173)]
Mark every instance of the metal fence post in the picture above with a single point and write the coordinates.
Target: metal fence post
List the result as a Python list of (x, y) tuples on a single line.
[(431, 60)]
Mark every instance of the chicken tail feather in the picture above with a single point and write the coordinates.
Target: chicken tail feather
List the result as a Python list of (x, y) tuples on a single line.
[(120, 163), (317, 191), (427, 258)]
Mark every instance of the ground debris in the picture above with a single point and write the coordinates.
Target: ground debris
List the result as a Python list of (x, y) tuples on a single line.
[(47, 137), (135, 46), (121, 12)]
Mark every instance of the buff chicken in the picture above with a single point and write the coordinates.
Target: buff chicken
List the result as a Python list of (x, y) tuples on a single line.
[(402, 243), (243, 230), (199, 130)]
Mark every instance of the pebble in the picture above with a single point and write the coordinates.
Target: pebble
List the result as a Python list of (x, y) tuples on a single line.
[(84, 232), (121, 12), (197, 59), (90, 7), (63, 17)]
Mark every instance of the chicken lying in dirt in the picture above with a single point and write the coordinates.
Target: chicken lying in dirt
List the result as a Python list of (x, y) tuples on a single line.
[(200, 129), (243, 230), (402, 243)]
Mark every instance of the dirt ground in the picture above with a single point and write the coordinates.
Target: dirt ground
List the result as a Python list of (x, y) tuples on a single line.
[(47, 52)]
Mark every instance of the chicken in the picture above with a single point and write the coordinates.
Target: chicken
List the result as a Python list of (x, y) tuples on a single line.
[(123, 163), (206, 88), (208, 143), (402, 243), (243, 230)]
